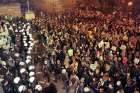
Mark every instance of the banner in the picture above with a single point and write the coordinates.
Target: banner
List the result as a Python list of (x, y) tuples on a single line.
[(70, 52), (29, 15)]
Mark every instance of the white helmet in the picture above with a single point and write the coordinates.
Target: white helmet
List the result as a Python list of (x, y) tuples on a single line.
[(38, 87), (22, 88), (31, 79), (16, 80)]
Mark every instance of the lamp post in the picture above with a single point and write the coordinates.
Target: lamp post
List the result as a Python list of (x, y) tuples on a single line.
[(28, 5), (130, 7)]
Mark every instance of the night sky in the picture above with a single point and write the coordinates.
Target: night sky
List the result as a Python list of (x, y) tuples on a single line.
[(136, 6)]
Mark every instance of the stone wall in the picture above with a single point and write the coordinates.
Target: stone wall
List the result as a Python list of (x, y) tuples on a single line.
[(10, 9)]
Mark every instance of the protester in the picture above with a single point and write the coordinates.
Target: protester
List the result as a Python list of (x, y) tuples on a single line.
[(92, 52)]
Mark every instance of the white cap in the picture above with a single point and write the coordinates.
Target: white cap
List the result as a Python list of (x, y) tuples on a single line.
[(94, 79), (21, 88), (17, 54), (3, 63), (86, 89), (16, 80), (110, 86), (31, 44), (28, 23), (18, 40), (31, 67), (30, 48), (23, 33), (31, 79), (30, 34), (17, 35), (24, 38), (45, 62), (25, 44), (123, 47), (14, 24), (28, 57), (110, 52), (101, 79), (118, 83), (20, 30), (16, 30), (118, 91), (101, 58), (82, 79), (38, 87), (22, 70), (24, 41), (19, 22), (128, 74), (31, 74), (31, 39), (136, 61), (21, 63), (27, 31), (29, 52), (63, 71)]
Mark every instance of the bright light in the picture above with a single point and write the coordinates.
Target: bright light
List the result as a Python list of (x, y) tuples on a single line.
[(130, 3)]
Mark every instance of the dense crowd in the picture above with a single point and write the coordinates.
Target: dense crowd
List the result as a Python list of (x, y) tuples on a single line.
[(91, 52), (105, 49), (17, 66)]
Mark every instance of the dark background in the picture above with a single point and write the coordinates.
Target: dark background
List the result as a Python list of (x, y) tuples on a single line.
[(109, 3)]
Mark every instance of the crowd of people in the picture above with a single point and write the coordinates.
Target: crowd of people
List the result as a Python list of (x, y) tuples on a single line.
[(90, 51), (4, 39), (18, 69), (93, 50)]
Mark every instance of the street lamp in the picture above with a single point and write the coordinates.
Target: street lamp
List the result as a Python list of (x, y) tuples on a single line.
[(28, 5), (130, 3), (130, 7)]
